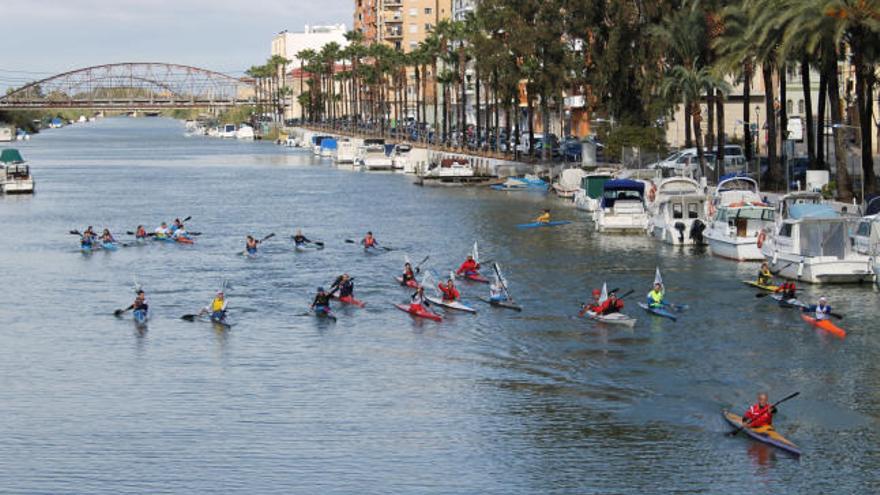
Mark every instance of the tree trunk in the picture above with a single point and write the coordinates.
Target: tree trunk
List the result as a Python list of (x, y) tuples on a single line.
[(719, 154), (865, 104), (531, 116), (688, 132), (698, 134), (773, 168), (436, 98), (478, 125), (820, 122), (747, 112), (808, 110), (545, 124), (710, 116), (844, 186)]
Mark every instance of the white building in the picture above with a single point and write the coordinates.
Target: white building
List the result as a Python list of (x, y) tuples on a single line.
[(288, 44)]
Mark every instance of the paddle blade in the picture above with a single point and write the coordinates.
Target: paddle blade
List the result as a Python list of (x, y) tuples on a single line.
[(657, 278), (187, 219), (318, 243), (118, 312), (189, 317), (74, 232), (350, 241), (268, 237)]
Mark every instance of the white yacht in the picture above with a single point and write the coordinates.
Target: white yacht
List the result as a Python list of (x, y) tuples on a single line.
[(569, 182), (15, 176), (811, 243), (372, 155), (588, 197), (328, 147), (245, 133), (622, 209), (346, 151), (679, 216), (227, 131), (738, 218)]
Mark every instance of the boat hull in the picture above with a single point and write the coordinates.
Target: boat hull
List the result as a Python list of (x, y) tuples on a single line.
[(819, 270), (737, 248)]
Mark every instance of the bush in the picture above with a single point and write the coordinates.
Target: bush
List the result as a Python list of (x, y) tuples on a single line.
[(649, 139)]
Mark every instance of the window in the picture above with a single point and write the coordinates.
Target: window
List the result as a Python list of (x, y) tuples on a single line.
[(429, 27), (785, 230), (429, 11), (693, 211), (801, 107), (789, 107), (413, 28), (413, 12), (676, 211), (413, 45)]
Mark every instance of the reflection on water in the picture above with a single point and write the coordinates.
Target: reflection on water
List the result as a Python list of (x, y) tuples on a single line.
[(498, 402)]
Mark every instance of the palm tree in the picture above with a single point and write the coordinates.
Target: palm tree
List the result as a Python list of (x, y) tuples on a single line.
[(305, 57), (687, 84)]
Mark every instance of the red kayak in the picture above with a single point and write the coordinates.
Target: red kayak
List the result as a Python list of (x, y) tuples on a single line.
[(350, 300), (184, 240), (423, 313), (475, 277), (412, 284), (826, 325)]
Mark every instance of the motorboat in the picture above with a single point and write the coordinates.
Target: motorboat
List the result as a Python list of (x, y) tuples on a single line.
[(7, 133), (454, 167), (245, 133), (811, 243), (371, 155), (569, 182), (738, 219), (400, 156), (409, 159), (328, 147), (227, 131), (525, 183), (588, 197), (679, 216), (316, 141), (622, 209), (15, 177), (346, 151)]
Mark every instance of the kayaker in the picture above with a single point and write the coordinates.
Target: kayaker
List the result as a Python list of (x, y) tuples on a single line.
[(450, 293), (765, 277), (594, 305), (418, 302), (369, 241), (88, 237), (408, 274), (321, 304), (175, 226), (611, 305), (162, 231), (655, 297), (544, 217), (344, 285), (761, 413), (217, 308), (251, 245), (140, 302), (180, 233), (497, 292), (299, 239), (140, 233), (822, 309), (469, 267), (788, 290), (107, 237)]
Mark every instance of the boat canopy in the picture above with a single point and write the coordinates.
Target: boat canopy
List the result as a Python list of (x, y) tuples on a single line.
[(10, 156), (328, 144), (594, 185), (622, 189), (737, 183), (825, 238), (807, 210)]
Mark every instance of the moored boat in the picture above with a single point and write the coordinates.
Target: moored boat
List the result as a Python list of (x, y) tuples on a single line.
[(679, 216), (738, 218), (569, 182), (15, 176), (588, 197), (623, 207), (371, 155)]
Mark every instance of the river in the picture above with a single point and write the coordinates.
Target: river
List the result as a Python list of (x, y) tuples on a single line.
[(498, 402)]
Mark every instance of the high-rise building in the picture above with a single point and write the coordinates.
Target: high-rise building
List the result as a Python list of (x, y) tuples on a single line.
[(401, 24)]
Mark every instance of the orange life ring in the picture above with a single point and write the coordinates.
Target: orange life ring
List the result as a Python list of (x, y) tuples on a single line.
[(761, 238), (652, 193)]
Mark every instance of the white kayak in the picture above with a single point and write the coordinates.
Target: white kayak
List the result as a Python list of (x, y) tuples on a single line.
[(306, 247), (789, 302), (612, 319), (456, 305)]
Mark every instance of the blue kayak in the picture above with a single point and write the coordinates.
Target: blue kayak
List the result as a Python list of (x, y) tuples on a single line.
[(109, 246), (542, 224), (140, 316), (658, 311)]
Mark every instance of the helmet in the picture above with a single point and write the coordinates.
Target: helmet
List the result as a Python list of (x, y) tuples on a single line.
[(597, 292), (320, 289)]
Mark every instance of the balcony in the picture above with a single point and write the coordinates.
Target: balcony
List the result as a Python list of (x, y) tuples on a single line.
[(394, 32)]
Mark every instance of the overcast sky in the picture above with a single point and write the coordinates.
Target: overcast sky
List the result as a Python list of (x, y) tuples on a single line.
[(44, 37)]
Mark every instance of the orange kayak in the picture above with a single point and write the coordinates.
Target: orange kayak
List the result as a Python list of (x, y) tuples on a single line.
[(826, 325)]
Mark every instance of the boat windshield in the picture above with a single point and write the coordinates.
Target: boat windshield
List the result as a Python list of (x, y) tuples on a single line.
[(824, 239)]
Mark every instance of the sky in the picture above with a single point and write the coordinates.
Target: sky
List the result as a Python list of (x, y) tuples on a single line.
[(46, 37)]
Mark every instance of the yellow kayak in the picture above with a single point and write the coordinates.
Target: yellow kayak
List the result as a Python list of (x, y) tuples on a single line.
[(765, 434), (770, 288)]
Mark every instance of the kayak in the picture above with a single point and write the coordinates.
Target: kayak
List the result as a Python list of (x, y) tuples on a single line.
[(764, 434), (612, 319), (86, 248), (303, 248), (419, 314), (184, 240), (324, 314), (474, 277), (789, 303), (109, 246), (350, 300), (753, 283), (502, 304), (456, 305), (826, 325), (658, 311), (533, 225), (412, 284), (140, 316), (373, 250)]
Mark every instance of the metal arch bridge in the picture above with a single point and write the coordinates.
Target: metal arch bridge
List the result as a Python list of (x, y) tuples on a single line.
[(132, 86)]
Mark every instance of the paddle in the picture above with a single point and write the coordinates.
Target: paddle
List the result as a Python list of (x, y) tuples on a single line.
[(317, 243), (75, 232), (419, 266), (746, 422), (120, 312), (583, 310), (503, 284), (189, 317)]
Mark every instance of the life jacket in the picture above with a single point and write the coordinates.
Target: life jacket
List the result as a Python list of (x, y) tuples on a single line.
[(759, 416), (655, 297), (543, 218), (468, 266), (140, 233), (408, 275), (369, 241), (322, 299), (217, 305), (609, 307), (822, 312), (449, 294)]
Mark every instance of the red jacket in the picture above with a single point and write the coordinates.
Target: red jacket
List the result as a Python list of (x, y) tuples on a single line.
[(468, 266), (759, 416), (607, 307), (449, 294)]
